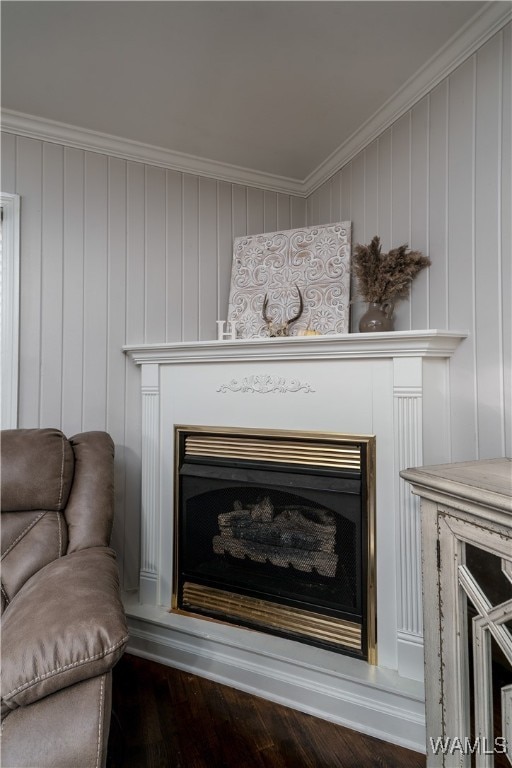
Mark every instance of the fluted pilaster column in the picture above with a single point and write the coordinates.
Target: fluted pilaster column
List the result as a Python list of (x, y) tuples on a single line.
[(408, 426), (150, 509)]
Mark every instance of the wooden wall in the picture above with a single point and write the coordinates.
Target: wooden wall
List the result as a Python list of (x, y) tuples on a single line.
[(117, 252), (113, 253), (439, 179)]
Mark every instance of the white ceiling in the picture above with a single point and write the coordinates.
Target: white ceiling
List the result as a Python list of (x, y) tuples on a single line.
[(271, 86)]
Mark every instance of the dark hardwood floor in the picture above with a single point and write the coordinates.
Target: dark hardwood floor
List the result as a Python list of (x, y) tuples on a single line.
[(165, 718)]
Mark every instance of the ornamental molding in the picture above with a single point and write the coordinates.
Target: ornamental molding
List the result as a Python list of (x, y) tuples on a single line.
[(464, 43), (264, 384), (44, 129), (366, 346), (475, 33)]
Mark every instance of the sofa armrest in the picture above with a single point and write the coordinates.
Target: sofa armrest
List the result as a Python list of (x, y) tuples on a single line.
[(90, 509), (66, 624)]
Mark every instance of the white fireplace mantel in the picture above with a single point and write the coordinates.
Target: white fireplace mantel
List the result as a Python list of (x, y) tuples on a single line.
[(432, 343), (391, 385)]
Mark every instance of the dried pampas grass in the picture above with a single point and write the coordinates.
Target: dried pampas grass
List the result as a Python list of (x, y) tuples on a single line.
[(386, 276)]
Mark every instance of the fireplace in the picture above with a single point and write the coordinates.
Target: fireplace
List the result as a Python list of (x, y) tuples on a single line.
[(390, 385), (274, 531)]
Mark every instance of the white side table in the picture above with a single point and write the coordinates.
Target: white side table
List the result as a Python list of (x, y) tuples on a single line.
[(466, 514)]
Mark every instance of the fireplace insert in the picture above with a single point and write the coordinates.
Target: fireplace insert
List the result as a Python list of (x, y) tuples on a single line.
[(274, 531)]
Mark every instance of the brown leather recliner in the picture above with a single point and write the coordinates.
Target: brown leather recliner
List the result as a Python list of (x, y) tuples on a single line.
[(63, 624)]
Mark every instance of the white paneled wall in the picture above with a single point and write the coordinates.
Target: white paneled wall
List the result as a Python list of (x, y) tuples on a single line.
[(439, 179), (117, 252)]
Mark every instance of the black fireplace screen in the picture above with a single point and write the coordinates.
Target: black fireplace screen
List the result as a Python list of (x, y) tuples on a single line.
[(275, 539)]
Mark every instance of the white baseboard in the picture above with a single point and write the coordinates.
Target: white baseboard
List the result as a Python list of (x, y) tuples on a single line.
[(410, 656), (148, 588), (371, 700)]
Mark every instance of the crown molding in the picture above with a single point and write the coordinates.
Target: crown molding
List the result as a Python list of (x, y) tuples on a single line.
[(463, 44), (55, 132)]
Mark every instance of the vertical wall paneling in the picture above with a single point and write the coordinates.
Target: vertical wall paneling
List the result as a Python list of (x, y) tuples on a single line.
[(9, 308), (135, 291), (116, 329), (401, 202), (116, 252), (345, 214), (8, 165), (224, 247), (51, 283), (94, 403), (29, 186), (336, 197), (461, 253), (297, 212), (371, 214), (283, 212), (73, 291), (190, 258), (357, 212), (443, 185), (207, 258), (488, 255), (384, 183), (239, 208), (313, 209), (438, 205), (174, 245), (346, 197), (155, 255), (324, 205), (255, 211), (135, 225), (371, 192), (506, 230), (400, 183), (419, 149), (269, 211), (10, 285)]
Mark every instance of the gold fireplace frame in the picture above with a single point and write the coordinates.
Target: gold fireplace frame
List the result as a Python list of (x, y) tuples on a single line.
[(334, 451)]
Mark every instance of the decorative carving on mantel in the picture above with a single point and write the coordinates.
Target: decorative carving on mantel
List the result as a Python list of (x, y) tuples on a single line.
[(264, 384)]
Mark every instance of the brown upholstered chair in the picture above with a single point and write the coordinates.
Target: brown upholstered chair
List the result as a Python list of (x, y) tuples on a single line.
[(63, 624)]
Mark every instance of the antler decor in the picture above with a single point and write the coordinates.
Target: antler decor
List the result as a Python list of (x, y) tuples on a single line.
[(281, 329)]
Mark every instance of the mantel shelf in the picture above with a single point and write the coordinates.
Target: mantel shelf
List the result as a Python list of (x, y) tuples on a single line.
[(429, 343)]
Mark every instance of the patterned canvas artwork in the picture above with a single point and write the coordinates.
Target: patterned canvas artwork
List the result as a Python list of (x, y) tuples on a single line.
[(315, 259)]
